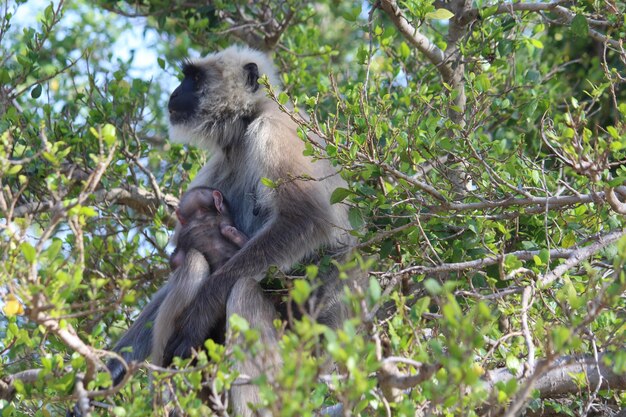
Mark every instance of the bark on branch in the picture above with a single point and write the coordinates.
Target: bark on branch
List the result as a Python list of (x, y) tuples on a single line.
[(579, 255), (574, 256), (556, 381), (434, 54), (515, 7), (140, 200)]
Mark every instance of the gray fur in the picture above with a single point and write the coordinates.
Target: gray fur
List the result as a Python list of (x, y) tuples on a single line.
[(248, 301), (182, 287)]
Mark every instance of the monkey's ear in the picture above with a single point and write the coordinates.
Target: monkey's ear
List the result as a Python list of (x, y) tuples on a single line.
[(252, 76), (218, 199)]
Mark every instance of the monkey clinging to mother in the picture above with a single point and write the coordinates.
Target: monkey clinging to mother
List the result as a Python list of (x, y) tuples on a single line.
[(221, 107)]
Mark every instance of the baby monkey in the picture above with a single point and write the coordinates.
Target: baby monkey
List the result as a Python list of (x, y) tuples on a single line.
[(207, 240), (206, 225)]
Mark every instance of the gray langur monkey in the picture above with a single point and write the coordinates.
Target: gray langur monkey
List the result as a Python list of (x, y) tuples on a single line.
[(221, 107)]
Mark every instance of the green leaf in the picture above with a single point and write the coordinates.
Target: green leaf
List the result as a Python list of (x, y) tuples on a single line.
[(88, 211), (513, 363), (108, 134), (28, 251), (536, 43), (301, 291), (268, 183), (119, 411), (238, 323), (355, 218), (14, 169), (339, 195), (161, 238), (560, 336), (488, 11), (420, 307), (579, 26), (544, 255), (312, 271), (36, 92), (483, 83), (443, 14), (432, 286), (569, 240), (375, 290), (405, 51), (283, 98), (53, 250), (352, 14)]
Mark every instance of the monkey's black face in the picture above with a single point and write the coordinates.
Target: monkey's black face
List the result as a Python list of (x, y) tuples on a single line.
[(185, 98)]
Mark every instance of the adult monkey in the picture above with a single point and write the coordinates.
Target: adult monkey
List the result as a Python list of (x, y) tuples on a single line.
[(220, 106)]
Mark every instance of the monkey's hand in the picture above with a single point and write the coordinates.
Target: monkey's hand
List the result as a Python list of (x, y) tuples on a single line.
[(233, 234)]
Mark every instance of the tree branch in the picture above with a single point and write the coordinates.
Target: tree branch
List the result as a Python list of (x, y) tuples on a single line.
[(567, 16), (579, 255), (68, 335), (544, 203), (614, 202), (7, 389), (574, 257), (477, 263), (415, 38), (136, 198), (556, 380), (553, 378), (513, 7)]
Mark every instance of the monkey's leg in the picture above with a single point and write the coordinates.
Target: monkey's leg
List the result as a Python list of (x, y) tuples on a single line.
[(248, 301)]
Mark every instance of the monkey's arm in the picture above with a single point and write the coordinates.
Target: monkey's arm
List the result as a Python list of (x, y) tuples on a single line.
[(138, 337), (298, 226)]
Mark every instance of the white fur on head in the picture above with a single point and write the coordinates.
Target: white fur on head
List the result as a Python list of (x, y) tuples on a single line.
[(236, 56), (225, 98)]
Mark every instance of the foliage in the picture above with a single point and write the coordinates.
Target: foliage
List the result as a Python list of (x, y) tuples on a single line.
[(484, 147)]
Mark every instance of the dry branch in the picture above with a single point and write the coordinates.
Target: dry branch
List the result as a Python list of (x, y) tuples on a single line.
[(417, 39), (136, 198), (580, 254), (556, 381)]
